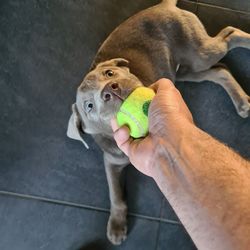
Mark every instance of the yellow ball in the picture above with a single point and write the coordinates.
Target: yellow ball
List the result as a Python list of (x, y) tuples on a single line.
[(134, 111)]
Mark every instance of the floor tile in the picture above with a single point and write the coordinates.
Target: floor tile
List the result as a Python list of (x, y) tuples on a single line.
[(30, 225), (174, 237), (242, 5), (46, 49), (215, 19), (214, 113), (238, 61), (187, 5), (57, 168), (142, 193)]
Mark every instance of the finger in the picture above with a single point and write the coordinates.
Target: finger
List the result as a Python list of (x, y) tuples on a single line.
[(123, 139), (122, 136), (114, 124), (162, 83)]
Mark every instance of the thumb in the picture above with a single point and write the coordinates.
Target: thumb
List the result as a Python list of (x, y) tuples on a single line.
[(121, 136), (135, 149)]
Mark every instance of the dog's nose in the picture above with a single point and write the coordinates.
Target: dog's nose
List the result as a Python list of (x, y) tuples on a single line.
[(111, 89)]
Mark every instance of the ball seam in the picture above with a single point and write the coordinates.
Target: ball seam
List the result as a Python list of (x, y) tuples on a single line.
[(134, 120)]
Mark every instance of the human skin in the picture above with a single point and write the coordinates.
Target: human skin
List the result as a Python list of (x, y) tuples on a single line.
[(206, 183)]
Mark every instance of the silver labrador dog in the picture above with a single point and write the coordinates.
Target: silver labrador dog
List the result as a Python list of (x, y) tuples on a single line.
[(162, 41)]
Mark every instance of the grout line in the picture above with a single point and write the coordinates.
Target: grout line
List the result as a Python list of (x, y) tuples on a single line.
[(196, 7), (159, 226), (77, 205), (216, 6), (157, 236), (54, 201), (154, 218)]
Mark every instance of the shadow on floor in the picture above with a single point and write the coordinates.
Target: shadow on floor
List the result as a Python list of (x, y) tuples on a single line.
[(96, 245)]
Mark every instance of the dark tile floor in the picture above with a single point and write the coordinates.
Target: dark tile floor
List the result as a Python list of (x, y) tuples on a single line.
[(53, 192)]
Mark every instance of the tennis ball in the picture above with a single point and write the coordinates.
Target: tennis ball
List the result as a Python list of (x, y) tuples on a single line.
[(134, 111)]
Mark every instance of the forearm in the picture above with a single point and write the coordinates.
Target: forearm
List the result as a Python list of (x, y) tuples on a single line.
[(208, 186)]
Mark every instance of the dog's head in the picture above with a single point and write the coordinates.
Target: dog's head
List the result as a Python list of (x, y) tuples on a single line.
[(99, 97)]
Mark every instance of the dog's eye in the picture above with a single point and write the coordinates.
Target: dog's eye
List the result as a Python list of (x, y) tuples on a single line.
[(88, 106), (109, 73)]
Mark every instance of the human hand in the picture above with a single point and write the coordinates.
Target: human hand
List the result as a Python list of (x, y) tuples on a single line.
[(168, 117)]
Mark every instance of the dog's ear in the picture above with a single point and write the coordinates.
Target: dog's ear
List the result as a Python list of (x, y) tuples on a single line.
[(74, 130), (118, 62)]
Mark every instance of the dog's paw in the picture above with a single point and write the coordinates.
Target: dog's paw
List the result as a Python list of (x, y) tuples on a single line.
[(244, 108), (116, 230)]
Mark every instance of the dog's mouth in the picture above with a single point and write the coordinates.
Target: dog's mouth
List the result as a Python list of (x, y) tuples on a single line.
[(113, 99), (119, 97), (109, 96), (114, 91)]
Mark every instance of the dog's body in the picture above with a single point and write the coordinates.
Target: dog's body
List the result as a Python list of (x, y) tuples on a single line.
[(162, 41)]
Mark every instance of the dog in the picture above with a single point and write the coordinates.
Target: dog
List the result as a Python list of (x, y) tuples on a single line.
[(162, 41)]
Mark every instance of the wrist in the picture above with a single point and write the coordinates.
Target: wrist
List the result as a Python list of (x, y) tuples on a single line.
[(170, 146)]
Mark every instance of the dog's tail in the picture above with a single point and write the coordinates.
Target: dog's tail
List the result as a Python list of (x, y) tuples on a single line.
[(170, 2)]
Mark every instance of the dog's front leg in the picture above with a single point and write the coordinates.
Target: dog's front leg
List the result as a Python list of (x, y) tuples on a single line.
[(117, 224)]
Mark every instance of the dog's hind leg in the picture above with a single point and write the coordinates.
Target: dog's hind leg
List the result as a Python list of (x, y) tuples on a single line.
[(203, 51), (213, 49), (224, 78)]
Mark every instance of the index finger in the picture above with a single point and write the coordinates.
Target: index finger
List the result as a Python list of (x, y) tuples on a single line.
[(162, 84), (114, 124)]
